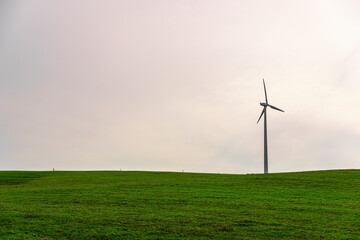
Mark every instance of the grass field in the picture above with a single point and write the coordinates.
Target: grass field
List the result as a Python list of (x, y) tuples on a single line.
[(159, 205)]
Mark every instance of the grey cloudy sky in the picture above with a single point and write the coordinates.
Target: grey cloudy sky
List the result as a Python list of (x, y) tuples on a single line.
[(172, 85)]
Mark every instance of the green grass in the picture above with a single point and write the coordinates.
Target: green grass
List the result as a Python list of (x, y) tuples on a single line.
[(155, 205)]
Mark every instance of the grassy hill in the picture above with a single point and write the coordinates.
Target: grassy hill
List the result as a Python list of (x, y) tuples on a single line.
[(158, 205)]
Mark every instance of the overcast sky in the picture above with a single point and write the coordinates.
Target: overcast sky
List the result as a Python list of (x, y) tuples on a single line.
[(176, 85)]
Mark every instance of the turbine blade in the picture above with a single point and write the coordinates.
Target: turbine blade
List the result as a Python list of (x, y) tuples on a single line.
[(276, 108), (262, 113), (265, 91)]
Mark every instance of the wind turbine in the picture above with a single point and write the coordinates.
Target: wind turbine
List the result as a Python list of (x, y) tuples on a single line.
[(265, 105)]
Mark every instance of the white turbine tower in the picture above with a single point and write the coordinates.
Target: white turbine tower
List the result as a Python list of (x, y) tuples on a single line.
[(265, 105)]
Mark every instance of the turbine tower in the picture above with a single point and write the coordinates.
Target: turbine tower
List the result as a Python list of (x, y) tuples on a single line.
[(265, 105)]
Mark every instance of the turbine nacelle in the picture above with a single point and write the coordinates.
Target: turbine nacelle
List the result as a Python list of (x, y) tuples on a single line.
[(264, 104)]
